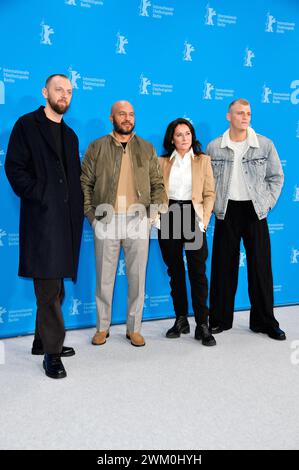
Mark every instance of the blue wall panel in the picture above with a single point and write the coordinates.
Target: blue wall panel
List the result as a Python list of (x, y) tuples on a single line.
[(170, 58)]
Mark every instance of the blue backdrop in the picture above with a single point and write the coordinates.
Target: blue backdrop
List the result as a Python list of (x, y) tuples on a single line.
[(170, 58)]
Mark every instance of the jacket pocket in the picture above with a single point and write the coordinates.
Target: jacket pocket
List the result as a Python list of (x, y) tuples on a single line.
[(258, 167), (217, 166)]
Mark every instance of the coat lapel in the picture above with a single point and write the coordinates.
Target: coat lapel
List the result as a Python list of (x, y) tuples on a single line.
[(68, 142), (195, 175), (167, 164), (45, 128), (68, 138)]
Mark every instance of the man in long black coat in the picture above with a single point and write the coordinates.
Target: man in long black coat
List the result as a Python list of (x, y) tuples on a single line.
[(43, 168)]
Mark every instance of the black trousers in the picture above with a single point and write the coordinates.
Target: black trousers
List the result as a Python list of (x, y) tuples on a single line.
[(172, 249), (49, 327), (241, 222)]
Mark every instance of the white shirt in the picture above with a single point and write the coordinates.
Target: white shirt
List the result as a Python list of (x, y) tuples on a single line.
[(238, 190), (180, 178)]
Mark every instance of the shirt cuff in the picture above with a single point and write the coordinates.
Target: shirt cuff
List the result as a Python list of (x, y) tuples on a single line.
[(201, 226)]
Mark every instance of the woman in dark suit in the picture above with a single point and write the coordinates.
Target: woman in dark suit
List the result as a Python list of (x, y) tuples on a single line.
[(189, 182)]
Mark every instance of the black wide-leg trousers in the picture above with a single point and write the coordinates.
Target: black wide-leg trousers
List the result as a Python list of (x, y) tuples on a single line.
[(241, 222), (172, 249), (49, 327)]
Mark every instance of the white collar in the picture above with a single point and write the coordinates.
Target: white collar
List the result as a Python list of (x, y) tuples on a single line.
[(175, 154), (252, 139)]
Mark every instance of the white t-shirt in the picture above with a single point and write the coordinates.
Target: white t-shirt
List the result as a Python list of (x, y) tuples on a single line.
[(238, 190)]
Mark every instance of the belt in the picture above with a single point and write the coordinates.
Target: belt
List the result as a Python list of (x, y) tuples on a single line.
[(179, 202)]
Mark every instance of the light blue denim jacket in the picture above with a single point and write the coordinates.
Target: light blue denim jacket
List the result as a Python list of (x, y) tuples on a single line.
[(262, 172)]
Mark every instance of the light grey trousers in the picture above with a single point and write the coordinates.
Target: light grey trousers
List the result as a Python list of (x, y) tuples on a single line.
[(131, 233)]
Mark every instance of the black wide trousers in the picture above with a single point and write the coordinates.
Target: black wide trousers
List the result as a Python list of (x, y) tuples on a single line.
[(181, 226), (241, 222)]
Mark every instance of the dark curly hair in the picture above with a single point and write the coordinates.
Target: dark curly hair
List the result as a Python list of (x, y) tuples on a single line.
[(167, 143)]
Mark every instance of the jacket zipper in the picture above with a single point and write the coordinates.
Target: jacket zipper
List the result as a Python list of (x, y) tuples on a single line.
[(136, 185)]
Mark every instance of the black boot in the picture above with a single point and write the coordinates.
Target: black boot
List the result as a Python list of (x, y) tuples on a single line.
[(202, 333), (38, 350), (181, 325), (53, 366)]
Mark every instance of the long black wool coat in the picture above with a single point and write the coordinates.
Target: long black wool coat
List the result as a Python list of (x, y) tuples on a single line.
[(51, 212)]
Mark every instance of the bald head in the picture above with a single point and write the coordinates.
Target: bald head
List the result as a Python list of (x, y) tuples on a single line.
[(121, 105), (123, 118)]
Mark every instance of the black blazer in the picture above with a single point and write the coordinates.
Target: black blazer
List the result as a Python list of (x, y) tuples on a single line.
[(51, 212)]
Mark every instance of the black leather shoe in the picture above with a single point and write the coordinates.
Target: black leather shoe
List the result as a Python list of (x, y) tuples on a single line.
[(181, 326), (67, 351), (53, 366), (215, 329), (272, 331), (38, 350), (202, 333)]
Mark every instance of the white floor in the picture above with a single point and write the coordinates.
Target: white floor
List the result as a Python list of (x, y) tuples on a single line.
[(171, 394)]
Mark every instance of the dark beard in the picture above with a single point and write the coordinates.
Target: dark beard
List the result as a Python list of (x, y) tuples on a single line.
[(58, 108), (121, 131)]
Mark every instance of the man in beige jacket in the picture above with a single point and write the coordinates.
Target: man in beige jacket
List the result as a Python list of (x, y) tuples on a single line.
[(121, 179)]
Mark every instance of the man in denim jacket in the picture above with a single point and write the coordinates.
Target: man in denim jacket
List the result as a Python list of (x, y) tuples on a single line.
[(248, 178)]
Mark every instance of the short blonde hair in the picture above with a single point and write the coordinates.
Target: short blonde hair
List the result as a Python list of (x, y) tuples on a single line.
[(239, 100)]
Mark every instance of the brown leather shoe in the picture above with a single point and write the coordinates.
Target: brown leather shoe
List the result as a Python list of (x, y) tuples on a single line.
[(100, 338), (136, 339)]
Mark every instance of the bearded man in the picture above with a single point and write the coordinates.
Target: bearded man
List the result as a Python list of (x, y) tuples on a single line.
[(121, 179), (43, 168)]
